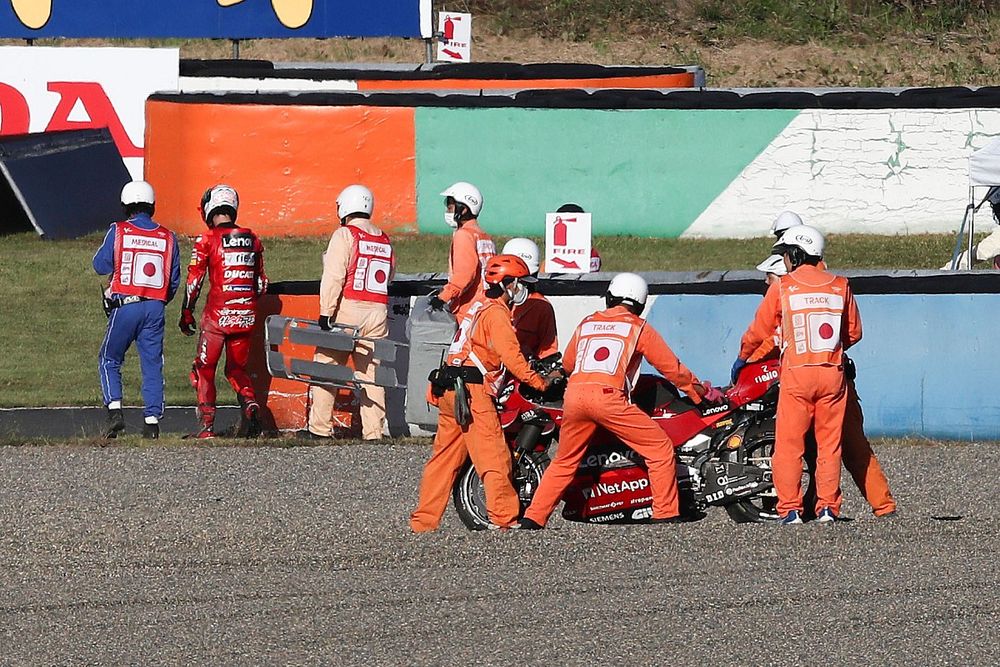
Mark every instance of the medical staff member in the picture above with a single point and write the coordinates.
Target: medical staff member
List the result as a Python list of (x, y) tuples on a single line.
[(484, 350), (471, 248), (142, 259), (603, 357), (819, 320), (232, 258), (535, 319), (358, 265)]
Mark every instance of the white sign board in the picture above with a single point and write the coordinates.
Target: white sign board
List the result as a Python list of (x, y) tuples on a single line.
[(68, 88), (455, 42), (567, 242)]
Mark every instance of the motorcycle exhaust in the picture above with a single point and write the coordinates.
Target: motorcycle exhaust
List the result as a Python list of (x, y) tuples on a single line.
[(527, 438)]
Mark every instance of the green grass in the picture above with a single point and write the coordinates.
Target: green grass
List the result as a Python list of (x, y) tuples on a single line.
[(54, 324), (712, 21)]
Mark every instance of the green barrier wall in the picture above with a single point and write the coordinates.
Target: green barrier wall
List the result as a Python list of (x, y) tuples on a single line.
[(643, 172)]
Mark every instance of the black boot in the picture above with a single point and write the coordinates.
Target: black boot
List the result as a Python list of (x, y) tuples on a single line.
[(150, 431), (116, 423), (249, 420)]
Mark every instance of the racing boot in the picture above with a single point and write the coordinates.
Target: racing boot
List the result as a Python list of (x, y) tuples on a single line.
[(115, 424), (151, 431), (206, 418), (249, 419)]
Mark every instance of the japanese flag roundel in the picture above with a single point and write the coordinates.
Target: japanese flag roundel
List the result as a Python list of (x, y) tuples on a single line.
[(823, 332), (601, 355), (147, 270), (377, 277)]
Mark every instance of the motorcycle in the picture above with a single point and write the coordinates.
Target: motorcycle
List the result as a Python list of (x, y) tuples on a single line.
[(723, 452)]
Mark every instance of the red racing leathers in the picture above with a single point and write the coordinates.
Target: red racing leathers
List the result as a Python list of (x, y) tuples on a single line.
[(233, 259)]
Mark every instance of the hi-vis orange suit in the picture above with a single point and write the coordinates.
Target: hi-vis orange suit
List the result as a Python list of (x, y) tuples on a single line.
[(485, 340), (857, 453), (603, 355), (471, 249), (818, 319), (535, 325)]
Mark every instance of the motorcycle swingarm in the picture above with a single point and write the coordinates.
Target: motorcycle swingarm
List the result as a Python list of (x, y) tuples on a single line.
[(726, 481)]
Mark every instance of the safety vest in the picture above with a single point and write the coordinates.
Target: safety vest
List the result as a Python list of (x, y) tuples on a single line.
[(811, 322), (142, 261), (371, 265), (606, 350), (486, 249), (461, 349)]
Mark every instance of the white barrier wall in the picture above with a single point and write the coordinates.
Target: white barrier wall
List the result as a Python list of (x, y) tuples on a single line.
[(890, 171)]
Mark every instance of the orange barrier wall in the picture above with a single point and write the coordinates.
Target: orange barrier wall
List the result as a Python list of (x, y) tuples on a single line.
[(683, 80), (288, 162)]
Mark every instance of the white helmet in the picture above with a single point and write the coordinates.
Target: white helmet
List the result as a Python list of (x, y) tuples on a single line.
[(467, 195), (355, 199), (138, 192), (629, 287), (775, 264), (219, 196), (524, 248), (809, 239), (785, 220)]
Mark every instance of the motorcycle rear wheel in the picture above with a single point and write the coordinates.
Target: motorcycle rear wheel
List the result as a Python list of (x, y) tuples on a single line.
[(760, 508), (469, 497)]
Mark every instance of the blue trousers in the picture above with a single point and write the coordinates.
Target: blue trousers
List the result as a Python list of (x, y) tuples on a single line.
[(142, 323)]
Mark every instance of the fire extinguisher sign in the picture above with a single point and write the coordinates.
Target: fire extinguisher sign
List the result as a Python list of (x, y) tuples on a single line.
[(454, 37), (567, 242)]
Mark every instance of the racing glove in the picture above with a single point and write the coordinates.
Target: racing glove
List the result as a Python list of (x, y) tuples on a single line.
[(712, 394), (737, 367), (186, 324), (324, 322)]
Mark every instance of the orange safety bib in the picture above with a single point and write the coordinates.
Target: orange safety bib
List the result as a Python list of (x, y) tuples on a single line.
[(461, 349), (811, 322), (606, 350)]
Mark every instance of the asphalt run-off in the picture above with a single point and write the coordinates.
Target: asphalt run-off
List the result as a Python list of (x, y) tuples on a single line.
[(234, 555)]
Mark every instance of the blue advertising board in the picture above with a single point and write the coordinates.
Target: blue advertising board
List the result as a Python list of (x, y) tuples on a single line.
[(225, 19)]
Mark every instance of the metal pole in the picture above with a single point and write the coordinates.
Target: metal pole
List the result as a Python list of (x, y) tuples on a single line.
[(429, 51), (236, 49), (972, 228)]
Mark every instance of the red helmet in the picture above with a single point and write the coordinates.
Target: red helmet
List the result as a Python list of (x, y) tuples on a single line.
[(506, 266)]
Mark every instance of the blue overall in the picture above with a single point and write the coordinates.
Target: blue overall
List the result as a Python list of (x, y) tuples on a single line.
[(142, 322)]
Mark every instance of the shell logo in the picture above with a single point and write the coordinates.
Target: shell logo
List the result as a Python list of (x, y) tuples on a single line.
[(292, 14)]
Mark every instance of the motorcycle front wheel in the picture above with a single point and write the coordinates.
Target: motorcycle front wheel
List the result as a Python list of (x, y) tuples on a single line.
[(763, 506), (469, 496)]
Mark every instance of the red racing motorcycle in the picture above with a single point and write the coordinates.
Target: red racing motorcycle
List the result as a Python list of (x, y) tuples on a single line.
[(723, 452)]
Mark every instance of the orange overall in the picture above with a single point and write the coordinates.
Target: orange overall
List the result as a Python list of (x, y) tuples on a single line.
[(603, 354), (819, 319), (471, 248), (858, 456), (485, 337), (535, 324)]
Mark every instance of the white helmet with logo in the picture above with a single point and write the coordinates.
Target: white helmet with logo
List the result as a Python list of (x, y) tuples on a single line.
[(468, 202), (355, 199), (629, 287), (138, 192), (219, 196), (524, 248), (809, 239), (785, 220), (775, 264)]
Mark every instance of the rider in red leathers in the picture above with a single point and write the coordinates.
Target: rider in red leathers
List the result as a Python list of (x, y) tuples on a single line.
[(233, 259)]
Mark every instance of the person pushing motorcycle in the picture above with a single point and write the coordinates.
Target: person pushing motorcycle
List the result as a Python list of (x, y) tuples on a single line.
[(485, 347), (603, 357), (818, 319), (858, 457)]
